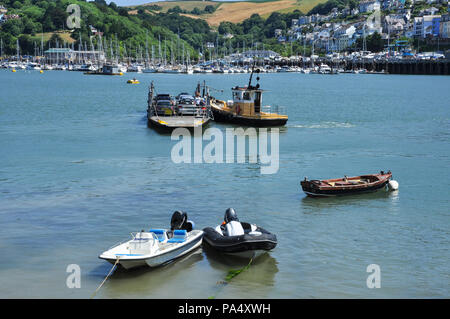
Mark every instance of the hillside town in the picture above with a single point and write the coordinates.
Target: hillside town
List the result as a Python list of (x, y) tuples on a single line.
[(391, 19)]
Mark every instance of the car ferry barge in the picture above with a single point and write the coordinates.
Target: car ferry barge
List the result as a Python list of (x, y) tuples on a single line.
[(166, 113)]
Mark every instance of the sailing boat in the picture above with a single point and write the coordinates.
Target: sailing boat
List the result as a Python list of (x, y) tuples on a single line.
[(148, 68)]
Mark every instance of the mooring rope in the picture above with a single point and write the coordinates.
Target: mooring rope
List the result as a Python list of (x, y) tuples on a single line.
[(104, 280)]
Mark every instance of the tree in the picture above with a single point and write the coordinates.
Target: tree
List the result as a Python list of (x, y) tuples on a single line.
[(123, 12), (196, 11), (374, 42), (113, 6), (13, 26), (175, 9), (225, 27), (55, 39), (209, 9)]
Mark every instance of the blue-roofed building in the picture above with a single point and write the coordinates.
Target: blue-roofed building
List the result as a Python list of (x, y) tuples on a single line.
[(64, 55)]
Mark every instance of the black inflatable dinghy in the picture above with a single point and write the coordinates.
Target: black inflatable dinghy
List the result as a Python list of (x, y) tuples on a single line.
[(239, 238)]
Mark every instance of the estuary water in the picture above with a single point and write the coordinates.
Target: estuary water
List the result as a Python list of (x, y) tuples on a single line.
[(80, 170)]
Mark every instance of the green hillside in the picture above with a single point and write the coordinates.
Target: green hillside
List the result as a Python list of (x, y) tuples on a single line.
[(45, 16), (132, 28)]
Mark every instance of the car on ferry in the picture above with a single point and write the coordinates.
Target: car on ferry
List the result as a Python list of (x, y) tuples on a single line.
[(165, 105), (187, 105)]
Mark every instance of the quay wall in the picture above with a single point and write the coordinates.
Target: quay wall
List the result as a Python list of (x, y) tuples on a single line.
[(425, 67)]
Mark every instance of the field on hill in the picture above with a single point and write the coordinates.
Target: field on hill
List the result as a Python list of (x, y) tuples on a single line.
[(64, 35), (185, 5), (238, 11)]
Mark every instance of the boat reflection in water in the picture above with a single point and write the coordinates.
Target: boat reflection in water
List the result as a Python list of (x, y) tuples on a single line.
[(258, 279)]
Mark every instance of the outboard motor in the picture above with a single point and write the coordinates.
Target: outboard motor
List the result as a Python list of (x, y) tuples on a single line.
[(230, 215), (179, 221), (233, 226)]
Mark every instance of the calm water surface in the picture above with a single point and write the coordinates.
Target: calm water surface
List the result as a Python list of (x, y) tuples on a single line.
[(80, 170)]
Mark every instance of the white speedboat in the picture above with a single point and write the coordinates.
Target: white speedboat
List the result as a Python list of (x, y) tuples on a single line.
[(324, 69), (157, 246), (33, 66), (134, 68)]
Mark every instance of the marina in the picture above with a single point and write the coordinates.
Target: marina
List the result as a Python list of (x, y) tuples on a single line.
[(109, 175)]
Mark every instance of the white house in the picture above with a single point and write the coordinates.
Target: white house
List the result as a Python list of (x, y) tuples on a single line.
[(344, 35), (429, 11), (394, 24), (304, 20), (427, 26), (369, 6)]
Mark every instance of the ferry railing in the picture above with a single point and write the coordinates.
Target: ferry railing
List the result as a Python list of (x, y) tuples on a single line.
[(274, 109)]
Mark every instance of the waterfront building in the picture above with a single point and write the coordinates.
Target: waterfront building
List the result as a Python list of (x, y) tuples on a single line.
[(260, 54), (444, 27), (427, 26), (65, 55), (344, 35)]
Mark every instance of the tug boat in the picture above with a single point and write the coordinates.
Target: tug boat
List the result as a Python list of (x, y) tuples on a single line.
[(157, 246), (246, 108), (239, 239), (348, 185)]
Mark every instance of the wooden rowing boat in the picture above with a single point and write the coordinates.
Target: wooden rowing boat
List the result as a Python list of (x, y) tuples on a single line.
[(345, 185)]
